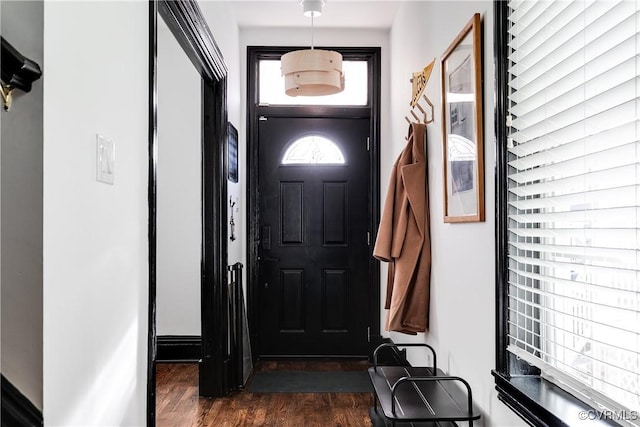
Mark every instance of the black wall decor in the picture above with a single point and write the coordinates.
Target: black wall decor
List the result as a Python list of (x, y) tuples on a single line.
[(18, 72)]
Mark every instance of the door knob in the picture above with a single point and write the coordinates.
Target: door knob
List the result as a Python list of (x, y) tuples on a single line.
[(266, 285)]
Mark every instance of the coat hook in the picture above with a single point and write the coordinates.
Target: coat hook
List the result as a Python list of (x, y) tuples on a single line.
[(7, 97), (424, 114), (232, 223), (418, 84), (428, 101), (18, 72)]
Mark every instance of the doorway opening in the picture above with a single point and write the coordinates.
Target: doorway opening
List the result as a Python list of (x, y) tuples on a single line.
[(313, 191), (186, 23)]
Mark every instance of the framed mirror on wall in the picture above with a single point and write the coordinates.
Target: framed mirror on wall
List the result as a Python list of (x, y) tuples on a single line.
[(463, 167)]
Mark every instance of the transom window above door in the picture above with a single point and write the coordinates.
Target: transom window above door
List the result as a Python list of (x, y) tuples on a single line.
[(311, 150), (271, 89)]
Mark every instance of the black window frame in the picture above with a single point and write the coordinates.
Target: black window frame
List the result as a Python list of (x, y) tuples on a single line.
[(520, 387)]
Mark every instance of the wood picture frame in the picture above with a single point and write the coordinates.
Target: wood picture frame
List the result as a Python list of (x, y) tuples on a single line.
[(462, 126)]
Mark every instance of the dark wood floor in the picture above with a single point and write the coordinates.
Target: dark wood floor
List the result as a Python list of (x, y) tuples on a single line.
[(178, 404)]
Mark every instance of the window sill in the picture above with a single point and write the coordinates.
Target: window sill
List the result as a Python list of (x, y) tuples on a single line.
[(541, 403)]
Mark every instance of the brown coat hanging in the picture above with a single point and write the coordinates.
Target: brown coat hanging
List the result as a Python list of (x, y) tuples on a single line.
[(404, 240)]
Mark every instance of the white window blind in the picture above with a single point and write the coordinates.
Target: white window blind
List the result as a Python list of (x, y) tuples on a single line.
[(574, 195)]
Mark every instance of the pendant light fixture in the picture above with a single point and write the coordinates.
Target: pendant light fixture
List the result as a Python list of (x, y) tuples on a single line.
[(312, 72)]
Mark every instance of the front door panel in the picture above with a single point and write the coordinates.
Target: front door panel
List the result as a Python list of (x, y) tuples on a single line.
[(314, 252)]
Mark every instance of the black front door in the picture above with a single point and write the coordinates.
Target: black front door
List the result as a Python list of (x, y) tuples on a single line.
[(314, 244)]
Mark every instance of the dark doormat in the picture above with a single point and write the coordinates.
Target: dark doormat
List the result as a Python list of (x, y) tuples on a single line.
[(310, 382)]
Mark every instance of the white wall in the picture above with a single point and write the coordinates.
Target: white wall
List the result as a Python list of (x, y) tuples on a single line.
[(179, 180), (21, 213), (95, 235), (463, 278)]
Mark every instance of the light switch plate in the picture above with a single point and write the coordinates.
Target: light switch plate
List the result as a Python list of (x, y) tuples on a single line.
[(105, 160)]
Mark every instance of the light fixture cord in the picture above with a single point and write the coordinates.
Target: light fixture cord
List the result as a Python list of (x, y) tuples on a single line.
[(312, 14)]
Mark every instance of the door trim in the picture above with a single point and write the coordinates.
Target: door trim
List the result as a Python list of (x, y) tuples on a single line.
[(152, 345), (255, 54), (186, 22)]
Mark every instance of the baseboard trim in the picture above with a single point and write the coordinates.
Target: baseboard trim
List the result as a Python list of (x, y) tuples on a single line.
[(17, 410), (179, 348)]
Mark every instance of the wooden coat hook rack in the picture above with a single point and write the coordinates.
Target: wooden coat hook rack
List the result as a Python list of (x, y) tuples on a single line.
[(420, 101)]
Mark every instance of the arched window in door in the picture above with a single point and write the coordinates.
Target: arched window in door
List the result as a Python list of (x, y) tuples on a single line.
[(311, 150)]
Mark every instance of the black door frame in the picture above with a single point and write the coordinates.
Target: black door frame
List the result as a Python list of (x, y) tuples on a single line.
[(185, 20), (254, 112)]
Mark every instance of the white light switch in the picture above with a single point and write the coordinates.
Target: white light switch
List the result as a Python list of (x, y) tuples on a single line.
[(105, 159)]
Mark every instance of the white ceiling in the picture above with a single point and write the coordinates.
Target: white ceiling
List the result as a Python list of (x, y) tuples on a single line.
[(336, 13)]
